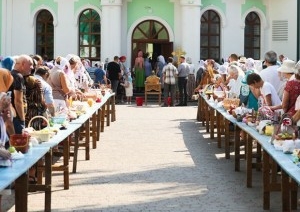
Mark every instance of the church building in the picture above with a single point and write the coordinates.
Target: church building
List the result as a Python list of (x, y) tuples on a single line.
[(100, 29)]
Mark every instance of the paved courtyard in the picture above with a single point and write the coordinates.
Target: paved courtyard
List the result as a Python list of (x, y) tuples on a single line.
[(155, 159)]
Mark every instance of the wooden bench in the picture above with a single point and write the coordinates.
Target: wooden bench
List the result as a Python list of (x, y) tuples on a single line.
[(153, 87)]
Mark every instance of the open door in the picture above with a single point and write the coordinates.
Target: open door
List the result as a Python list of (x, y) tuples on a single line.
[(167, 49)]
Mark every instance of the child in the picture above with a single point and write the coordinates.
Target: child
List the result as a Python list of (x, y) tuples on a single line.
[(128, 87)]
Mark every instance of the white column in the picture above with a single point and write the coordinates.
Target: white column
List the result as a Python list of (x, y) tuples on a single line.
[(6, 30), (190, 28), (233, 31), (111, 29), (66, 30)]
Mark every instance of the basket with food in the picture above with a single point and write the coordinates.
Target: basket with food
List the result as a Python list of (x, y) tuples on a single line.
[(231, 103), (284, 131), (20, 142), (42, 135)]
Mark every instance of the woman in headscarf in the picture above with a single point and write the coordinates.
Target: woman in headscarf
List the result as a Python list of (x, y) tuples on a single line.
[(191, 83), (160, 65), (249, 95), (60, 83), (81, 76)]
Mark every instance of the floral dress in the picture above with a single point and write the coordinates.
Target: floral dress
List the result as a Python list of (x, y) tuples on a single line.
[(293, 88)]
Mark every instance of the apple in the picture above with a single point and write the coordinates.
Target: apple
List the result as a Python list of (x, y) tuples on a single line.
[(11, 149)]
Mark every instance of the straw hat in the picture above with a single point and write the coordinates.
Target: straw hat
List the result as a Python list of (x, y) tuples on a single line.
[(288, 66), (243, 60)]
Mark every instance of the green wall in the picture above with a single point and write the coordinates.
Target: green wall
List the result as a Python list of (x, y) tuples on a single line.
[(253, 3), (160, 8), (81, 3), (50, 3), (216, 3)]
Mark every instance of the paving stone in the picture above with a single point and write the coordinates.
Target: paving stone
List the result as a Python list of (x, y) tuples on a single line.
[(154, 159)]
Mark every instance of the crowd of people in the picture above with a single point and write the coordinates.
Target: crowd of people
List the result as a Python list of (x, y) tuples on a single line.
[(272, 84), (31, 85)]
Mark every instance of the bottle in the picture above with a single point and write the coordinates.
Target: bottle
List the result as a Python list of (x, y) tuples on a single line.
[(260, 101)]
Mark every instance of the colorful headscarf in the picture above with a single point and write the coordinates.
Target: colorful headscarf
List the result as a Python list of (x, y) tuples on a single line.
[(6, 79)]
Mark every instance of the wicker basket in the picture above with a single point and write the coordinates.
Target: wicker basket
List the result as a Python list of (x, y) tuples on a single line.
[(104, 85), (40, 134), (20, 142), (230, 102)]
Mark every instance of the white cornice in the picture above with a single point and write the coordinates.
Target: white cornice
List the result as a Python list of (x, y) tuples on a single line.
[(190, 2), (111, 2)]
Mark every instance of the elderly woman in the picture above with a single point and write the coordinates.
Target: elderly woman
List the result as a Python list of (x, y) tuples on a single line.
[(285, 73), (291, 93), (291, 89), (191, 83), (82, 79), (234, 80), (60, 83)]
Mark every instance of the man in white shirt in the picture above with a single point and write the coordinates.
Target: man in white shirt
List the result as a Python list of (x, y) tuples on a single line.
[(270, 74)]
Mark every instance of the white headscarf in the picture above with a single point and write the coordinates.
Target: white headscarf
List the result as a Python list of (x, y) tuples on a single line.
[(63, 63), (258, 65), (250, 64), (161, 59)]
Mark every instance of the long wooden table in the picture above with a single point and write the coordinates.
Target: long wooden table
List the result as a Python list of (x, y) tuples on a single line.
[(271, 158), (18, 173), (93, 123)]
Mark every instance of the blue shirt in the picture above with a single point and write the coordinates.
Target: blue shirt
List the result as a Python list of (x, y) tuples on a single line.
[(47, 89), (99, 75)]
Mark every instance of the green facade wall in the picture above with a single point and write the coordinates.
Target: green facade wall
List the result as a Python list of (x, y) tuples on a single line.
[(217, 3), (82, 3), (50, 3), (160, 8), (254, 3)]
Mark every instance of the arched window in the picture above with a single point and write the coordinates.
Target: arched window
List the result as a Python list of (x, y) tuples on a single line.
[(89, 35), (210, 35), (44, 34), (252, 36)]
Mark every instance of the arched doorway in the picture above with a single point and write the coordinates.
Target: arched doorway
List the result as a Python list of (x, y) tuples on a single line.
[(151, 36)]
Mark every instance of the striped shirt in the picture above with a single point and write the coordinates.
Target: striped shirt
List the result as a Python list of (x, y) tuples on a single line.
[(170, 72)]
